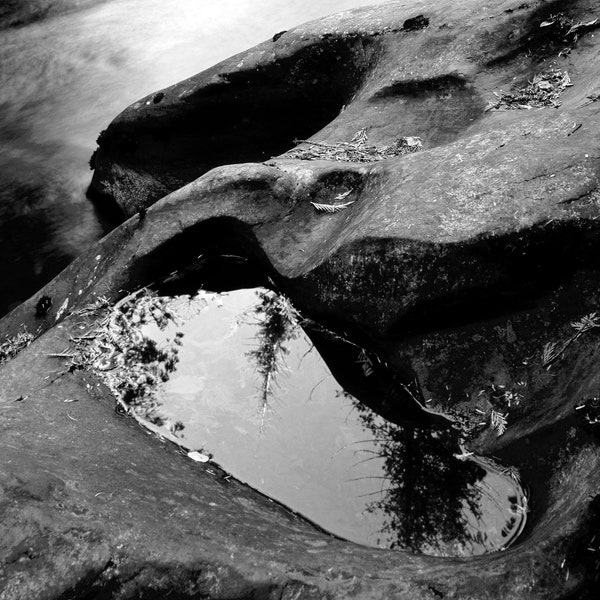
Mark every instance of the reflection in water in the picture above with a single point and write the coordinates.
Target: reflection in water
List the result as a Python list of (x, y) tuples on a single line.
[(427, 488), (305, 444), (435, 501), (277, 325)]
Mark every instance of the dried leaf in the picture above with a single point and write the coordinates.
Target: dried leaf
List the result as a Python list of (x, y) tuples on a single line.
[(198, 456), (343, 195), (365, 363)]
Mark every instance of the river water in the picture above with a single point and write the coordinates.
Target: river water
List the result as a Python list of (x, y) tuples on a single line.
[(62, 80)]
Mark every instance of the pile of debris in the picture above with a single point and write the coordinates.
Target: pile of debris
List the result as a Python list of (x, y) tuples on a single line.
[(10, 347), (125, 357), (563, 27), (543, 91), (356, 150)]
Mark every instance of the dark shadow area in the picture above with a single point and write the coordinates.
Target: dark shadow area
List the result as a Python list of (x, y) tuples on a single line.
[(219, 255), (508, 274), (421, 87), (247, 116), (524, 38), (105, 206), (29, 266), (416, 23), (392, 392), (439, 109), (478, 279)]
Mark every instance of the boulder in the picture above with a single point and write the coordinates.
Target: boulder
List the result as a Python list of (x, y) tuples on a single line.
[(470, 264), (94, 506)]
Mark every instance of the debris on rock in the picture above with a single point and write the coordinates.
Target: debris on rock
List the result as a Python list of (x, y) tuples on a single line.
[(356, 150), (591, 98), (199, 456), (564, 27), (129, 362), (544, 90), (12, 345), (590, 408), (416, 23)]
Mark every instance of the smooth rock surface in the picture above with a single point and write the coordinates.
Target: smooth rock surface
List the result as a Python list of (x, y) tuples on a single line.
[(92, 506), (498, 203), (457, 263)]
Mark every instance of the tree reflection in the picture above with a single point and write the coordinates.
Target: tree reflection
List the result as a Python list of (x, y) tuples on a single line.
[(277, 325), (427, 488), (428, 491)]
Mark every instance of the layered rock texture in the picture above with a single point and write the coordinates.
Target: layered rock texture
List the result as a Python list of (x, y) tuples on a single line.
[(471, 263)]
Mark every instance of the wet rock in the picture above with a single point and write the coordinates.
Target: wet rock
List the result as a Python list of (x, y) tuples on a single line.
[(91, 504), (469, 263), (498, 203)]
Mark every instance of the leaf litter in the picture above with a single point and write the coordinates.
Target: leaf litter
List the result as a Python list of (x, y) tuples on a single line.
[(357, 150), (542, 91)]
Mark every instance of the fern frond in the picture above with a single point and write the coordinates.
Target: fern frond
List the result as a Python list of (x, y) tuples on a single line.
[(331, 208), (550, 353), (498, 422), (586, 323)]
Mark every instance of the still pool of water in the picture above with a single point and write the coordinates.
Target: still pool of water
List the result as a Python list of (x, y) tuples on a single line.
[(254, 393)]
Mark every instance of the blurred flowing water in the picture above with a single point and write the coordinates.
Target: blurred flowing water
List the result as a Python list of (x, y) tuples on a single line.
[(62, 80)]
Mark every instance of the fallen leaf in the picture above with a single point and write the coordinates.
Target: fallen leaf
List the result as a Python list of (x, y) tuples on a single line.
[(198, 456)]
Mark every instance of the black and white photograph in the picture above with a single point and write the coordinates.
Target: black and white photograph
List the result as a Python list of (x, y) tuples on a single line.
[(299, 299)]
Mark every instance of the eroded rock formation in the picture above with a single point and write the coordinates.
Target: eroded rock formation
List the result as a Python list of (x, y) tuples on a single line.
[(462, 261)]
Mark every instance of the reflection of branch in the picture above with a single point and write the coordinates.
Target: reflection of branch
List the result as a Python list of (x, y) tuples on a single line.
[(264, 396), (552, 350), (428, 487), (278, 324)]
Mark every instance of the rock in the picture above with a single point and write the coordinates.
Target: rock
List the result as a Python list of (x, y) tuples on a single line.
[(498, 202), (332, 77), (468, 264), (92, 505)]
